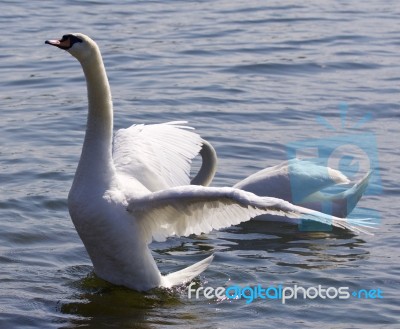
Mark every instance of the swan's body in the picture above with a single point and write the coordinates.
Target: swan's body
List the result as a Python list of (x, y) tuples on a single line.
[(299, 182), (133, 188), (303, 183)]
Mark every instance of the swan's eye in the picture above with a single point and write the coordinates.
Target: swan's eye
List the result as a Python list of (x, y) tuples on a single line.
[(74, 39)]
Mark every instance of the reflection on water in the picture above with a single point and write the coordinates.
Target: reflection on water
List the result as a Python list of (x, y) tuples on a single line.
[(97, 302), (307, 250)]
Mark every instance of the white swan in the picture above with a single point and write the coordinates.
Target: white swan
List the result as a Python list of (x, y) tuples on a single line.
[(134, 187), (303, 183), (298, 181)]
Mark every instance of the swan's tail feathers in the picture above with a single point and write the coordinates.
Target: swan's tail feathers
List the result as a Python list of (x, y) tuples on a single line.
[(354, 194), (340, 204), (187, 274)]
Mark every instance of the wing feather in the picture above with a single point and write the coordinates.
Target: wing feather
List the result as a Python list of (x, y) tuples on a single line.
[(158, 155), (193, 209)]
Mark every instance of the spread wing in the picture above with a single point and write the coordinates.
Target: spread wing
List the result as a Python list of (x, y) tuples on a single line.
[(195, 209), (159, 155)]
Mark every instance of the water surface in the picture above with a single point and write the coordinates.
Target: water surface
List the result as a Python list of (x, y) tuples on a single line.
[(252, 78)]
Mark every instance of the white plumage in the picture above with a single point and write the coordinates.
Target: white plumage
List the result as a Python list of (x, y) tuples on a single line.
[(304, 183), (158, 155), (133, 188)]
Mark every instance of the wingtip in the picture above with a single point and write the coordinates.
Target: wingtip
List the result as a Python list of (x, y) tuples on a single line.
[(350, 224), (356, 226)]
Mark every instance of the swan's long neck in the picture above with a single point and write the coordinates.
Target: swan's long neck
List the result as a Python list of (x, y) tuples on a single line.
[(96, 158)]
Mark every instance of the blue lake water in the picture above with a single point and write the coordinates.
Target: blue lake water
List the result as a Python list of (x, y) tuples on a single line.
[(254, 78)]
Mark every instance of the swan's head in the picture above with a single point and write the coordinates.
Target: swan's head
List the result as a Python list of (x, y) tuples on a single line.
[(77, 44)]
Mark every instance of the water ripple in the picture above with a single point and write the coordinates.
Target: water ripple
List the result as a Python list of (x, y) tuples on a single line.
[(251, 77)]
